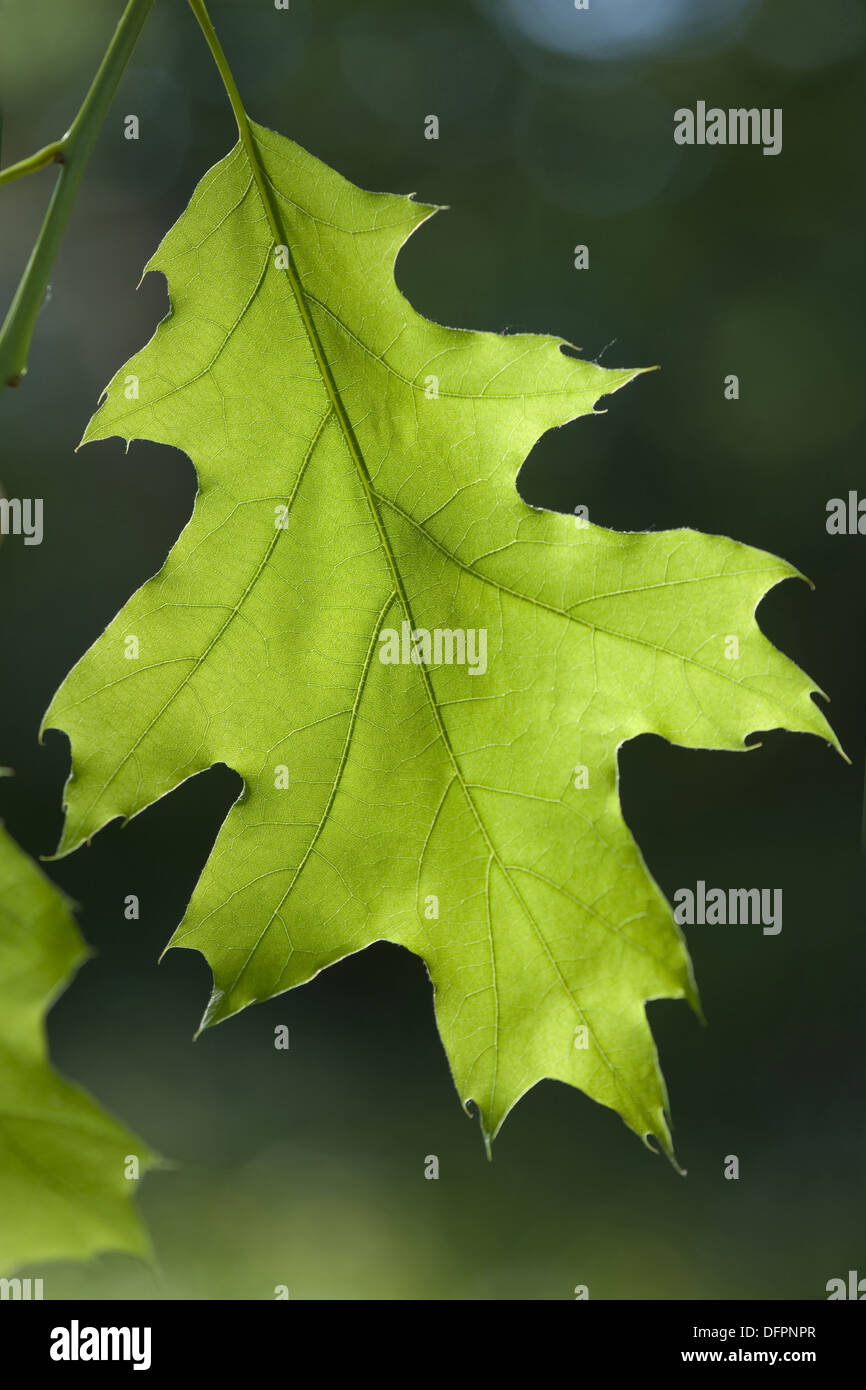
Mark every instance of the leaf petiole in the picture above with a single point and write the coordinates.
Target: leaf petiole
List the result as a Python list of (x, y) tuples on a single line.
[(199, 9)]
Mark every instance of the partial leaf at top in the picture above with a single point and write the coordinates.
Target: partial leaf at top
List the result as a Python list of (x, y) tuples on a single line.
[(313, 393)]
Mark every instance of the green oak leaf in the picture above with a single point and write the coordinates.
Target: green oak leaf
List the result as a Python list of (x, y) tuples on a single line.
[(357, 469), (63, 1189)]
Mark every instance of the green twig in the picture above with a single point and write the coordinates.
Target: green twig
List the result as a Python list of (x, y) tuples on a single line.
[(72, 153), (51, 154)]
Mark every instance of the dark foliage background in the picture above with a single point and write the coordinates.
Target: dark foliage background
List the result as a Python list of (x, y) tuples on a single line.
[(306, 1168)]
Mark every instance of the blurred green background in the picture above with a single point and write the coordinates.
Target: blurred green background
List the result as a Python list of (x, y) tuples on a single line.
[(306, 1167)]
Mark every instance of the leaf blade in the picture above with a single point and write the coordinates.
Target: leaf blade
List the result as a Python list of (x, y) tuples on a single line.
[(62, 1157), (311, 389)]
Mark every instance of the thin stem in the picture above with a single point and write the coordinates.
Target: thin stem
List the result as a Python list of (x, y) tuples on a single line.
[(199, 10), (275, 223), (72, 152), (50, 154)]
